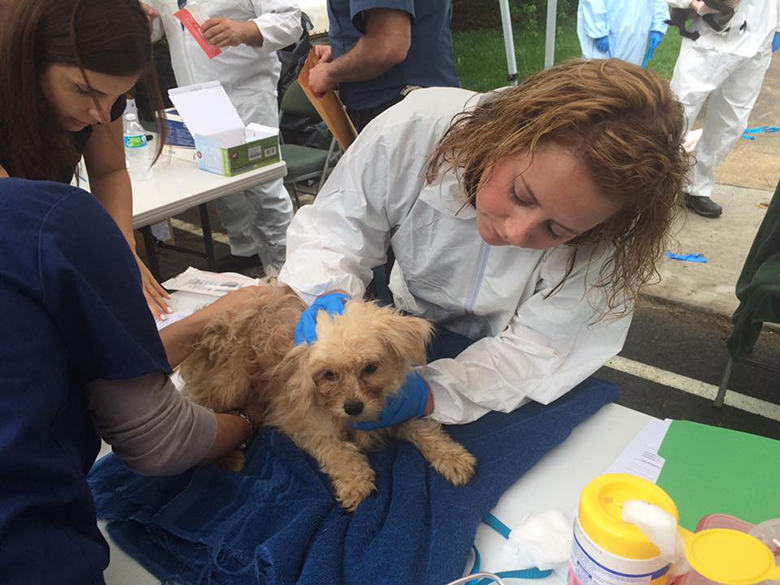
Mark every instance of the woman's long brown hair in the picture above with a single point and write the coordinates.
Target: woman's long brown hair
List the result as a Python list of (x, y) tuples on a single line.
[(625, 127), (106, 36)]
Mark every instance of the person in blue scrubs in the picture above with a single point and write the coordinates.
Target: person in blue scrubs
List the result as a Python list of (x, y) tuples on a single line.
[(80, 358), (380, 50), (630, 30)]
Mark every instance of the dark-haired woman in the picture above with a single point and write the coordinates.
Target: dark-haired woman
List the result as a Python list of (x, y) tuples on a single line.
[(65, 67)]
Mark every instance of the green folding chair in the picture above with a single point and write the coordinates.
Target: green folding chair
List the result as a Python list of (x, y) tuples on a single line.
[(304, 162)]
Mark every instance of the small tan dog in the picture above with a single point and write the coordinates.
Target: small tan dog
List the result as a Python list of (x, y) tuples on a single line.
[(312, 392)]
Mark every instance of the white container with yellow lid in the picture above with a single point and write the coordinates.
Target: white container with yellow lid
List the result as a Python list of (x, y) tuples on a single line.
[(609, 551)]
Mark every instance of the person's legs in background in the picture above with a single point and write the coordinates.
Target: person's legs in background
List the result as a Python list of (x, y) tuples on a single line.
[(698, 73), (257, 219), (236, 218), (272, 211), (728, 111)]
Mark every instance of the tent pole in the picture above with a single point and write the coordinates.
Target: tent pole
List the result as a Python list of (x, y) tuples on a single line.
[(552, 18), (509, 42)]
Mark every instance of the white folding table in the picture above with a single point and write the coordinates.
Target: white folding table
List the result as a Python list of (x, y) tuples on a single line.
[(178, 185)]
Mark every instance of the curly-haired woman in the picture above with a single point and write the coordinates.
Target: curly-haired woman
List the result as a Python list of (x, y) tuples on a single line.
[(523, 222)]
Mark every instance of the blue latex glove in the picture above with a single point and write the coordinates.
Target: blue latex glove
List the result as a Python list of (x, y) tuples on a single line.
[(776, 42), (653, 41), (602, 44), (306, 327), (410, 402)]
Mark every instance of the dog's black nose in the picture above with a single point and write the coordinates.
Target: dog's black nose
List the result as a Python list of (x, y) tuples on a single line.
[(353, 408)]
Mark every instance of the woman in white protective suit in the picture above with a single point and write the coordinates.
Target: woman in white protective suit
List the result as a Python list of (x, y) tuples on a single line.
[(522, 220), (249, 34), (729, 68), (623, 29)]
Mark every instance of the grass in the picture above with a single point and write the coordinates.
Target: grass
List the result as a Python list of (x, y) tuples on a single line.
[(481, 59)]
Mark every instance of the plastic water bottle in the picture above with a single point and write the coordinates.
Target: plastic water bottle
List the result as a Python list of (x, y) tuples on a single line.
[(137, 150)]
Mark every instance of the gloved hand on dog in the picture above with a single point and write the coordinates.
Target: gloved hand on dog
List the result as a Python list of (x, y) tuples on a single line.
[(776, 42), (306, 328), (410, 402)]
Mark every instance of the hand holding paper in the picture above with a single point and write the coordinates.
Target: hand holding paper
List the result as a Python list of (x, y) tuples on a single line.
[(192, 17), (328, 106), (223, 32)]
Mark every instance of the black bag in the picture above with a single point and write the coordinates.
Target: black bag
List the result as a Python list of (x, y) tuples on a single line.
[(297, 129)]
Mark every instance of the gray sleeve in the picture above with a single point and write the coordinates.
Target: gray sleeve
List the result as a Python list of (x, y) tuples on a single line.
[(150, 425)]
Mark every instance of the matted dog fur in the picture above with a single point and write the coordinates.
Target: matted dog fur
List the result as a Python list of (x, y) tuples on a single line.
[(312, 392)]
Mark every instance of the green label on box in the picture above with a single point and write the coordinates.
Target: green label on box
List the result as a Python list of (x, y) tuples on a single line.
[(252, 155)]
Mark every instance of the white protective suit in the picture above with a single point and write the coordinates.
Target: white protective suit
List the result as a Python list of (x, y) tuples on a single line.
[(257, 219), (528, 347), (728, 68), (627, 23)]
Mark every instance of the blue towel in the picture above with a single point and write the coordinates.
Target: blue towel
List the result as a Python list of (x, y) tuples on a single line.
[(278, 523)]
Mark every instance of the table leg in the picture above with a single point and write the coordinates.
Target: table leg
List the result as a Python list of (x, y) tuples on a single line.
[(151, 252), (208, 243)]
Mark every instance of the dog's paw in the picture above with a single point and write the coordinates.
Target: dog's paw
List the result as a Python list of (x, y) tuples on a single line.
[(233, 461), (456, 464), (356, 489)]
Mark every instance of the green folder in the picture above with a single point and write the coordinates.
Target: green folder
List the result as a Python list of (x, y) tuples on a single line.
[(713, 470)]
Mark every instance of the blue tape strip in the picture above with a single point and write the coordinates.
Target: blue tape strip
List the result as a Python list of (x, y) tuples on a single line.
[(749, 132), (698, 258)]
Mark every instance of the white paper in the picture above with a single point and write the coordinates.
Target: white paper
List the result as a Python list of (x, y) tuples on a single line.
[(258, 131), (207, 111), (171, 318), (209, 283), (640, 457)]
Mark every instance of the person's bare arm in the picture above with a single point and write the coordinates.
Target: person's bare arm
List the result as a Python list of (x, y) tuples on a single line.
[(109, 182), (178, 338), (104, 156), (385, 43), (223, 32)]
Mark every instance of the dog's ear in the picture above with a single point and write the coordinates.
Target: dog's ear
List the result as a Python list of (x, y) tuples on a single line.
[(405, 336), (294, 372)]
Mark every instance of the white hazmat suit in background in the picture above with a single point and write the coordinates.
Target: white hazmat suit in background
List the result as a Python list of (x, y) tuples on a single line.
[(256, 220), (626, 23), (728, 68)]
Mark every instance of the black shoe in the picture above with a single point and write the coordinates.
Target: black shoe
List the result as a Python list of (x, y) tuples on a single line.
[(704, 206)]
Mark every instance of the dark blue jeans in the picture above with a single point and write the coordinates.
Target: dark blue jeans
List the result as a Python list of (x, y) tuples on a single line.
[(445, 344)]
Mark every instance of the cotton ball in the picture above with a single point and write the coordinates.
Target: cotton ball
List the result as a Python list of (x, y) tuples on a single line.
[(541, 540)]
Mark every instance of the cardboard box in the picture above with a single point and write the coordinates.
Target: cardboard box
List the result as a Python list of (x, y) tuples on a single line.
[(224, 145), (178, 134), (261, 147)]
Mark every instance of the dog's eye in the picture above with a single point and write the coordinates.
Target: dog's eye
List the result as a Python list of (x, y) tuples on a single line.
[(329, 375), (370, 368)]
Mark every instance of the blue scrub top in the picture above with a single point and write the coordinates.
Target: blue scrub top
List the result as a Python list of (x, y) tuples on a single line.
[(71, 311), (429, 62)]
